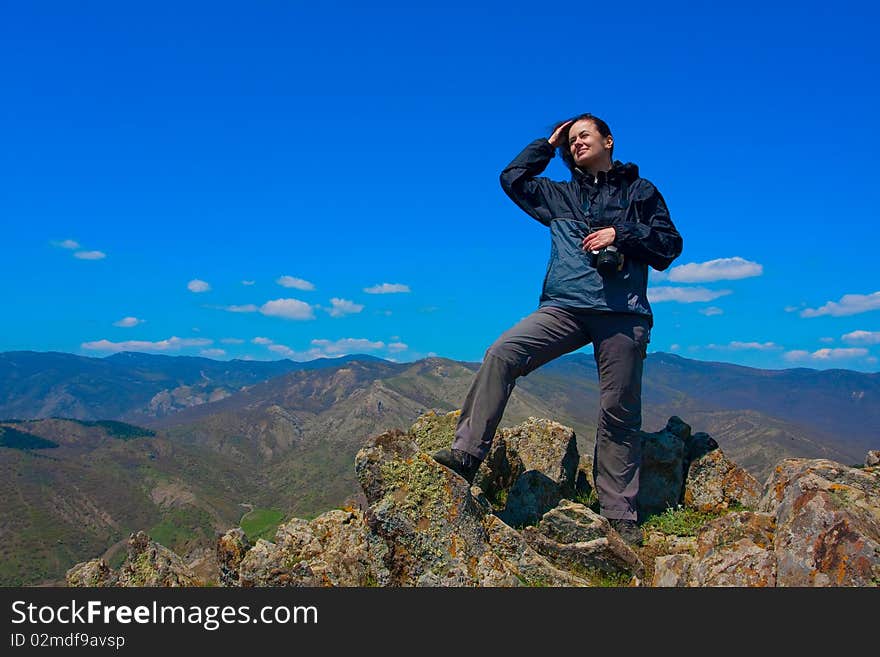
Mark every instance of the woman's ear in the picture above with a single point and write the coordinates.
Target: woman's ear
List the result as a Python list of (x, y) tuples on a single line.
[(609, 142)]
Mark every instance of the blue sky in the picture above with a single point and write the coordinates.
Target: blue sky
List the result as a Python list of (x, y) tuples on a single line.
[(278, 179)]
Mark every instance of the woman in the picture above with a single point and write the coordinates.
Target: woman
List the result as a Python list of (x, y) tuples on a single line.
[(607, 225)]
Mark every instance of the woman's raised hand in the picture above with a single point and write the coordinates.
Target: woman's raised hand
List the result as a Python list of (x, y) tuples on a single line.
[(556, 137)]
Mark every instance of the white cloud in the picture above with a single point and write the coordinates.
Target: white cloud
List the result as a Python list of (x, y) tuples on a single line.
[(248, 282), (127, 322), (331, 348), (347, 345), (759, 346), (826, 354), (736, 345), (711, 310), (196, 285), (171, 344), (872, 359), (791, 309), (67, 244), (288, 309), (862, 337), (212, 353), (232, 341), (247, 308), (674, 347), (826, 340), (849, 304), (342, 307), (387, 288), (90, 255), (721, 269), (285, 351), (298, 283), (684, 294)]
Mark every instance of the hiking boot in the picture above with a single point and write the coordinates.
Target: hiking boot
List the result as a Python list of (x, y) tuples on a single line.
[(459, 462), (629, 531)]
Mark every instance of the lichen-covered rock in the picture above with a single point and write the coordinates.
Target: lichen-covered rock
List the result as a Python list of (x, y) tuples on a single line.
[(91, 573), (433, 431), (231, 549), (529, 566), (672, 570), (872, 458), (575, 538), (202, 563), (529, 468), (334, 549), (150, 564), (714, 483), (432, 525), (735, 550), (546, 446), (670, 543), (827, 523)]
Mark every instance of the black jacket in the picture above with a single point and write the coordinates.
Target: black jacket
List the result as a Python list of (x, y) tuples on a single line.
[(645, 233)]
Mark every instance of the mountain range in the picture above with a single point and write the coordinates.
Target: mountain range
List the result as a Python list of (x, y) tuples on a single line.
[(95, 448)]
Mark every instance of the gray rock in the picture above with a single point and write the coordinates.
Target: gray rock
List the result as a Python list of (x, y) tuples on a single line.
[(91, 573), (431, 524), (672, 570), (334, 549), (714, 483), (827, 523), (735, 550), (231, 549), (150, 564), (575, 538), (661, 479)]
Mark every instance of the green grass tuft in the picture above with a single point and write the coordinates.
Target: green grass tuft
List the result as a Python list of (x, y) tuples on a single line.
[(680, 521)]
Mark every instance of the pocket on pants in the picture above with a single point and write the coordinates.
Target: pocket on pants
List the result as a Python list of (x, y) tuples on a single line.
[(642, 336)]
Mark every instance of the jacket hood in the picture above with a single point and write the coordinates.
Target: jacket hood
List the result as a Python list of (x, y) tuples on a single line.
[(628, 171)]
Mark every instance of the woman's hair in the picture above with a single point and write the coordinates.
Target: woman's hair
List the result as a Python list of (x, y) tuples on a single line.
[(565, 151)]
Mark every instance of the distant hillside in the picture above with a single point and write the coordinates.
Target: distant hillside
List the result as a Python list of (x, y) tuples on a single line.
[(71, 488), (126, 386)]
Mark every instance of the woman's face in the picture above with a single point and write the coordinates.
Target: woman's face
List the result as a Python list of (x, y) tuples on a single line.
[(586, 145)]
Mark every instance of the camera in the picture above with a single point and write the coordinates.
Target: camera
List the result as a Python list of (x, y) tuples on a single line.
[(608, 260)]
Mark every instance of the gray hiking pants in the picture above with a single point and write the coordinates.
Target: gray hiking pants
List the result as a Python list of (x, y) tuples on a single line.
[(620, 342)]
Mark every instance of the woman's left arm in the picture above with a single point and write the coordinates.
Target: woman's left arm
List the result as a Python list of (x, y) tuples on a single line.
[(653, 238)]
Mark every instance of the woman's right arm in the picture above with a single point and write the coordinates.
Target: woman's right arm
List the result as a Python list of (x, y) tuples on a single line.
[(537, 196)]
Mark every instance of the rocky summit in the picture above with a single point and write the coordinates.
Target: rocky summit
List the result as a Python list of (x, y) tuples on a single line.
[(530, 519)]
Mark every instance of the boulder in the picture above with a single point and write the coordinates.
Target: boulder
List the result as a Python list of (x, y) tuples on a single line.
[(91, 573), (827, 523), (231, 549), (575, 538), (150, 564), (334, 549), (733, 550), (661, 478), (431, 524), (714, 483)]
